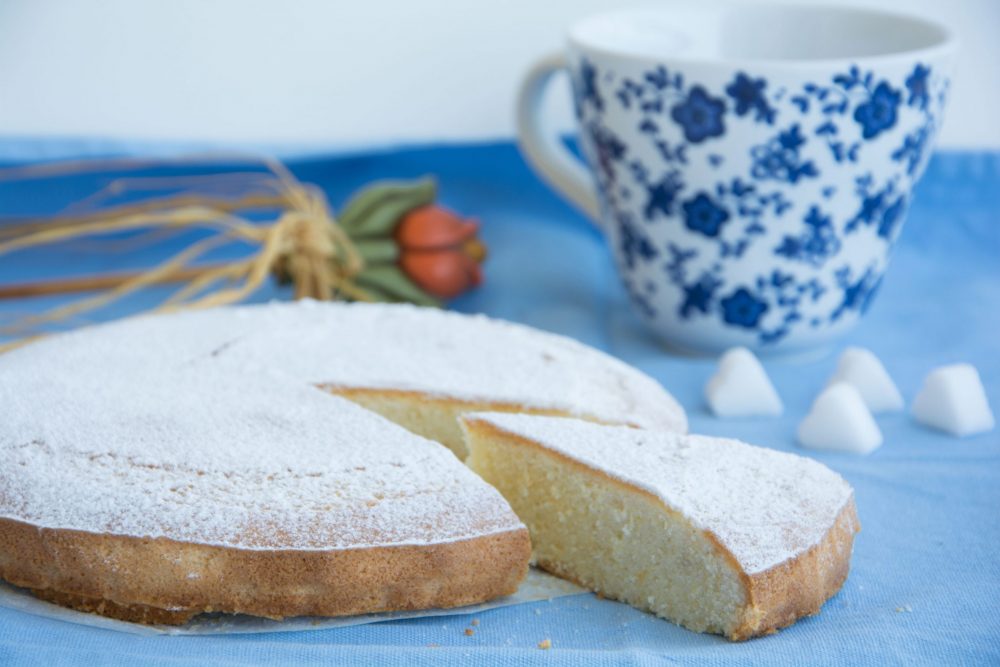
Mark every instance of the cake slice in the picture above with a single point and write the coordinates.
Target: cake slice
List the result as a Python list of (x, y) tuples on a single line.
[(714, 534)]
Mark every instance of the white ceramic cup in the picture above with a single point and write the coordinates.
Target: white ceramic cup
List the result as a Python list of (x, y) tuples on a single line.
[(750, 165)]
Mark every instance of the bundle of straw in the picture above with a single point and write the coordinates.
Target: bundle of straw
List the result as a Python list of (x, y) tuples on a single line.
[(302, 245)]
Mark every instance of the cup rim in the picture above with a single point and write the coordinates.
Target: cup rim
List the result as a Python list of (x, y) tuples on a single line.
[(945, 46)]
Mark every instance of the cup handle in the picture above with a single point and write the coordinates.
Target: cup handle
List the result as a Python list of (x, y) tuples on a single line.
[(544, 151)]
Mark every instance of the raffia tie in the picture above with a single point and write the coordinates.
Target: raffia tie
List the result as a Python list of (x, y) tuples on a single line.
[(304, 246)]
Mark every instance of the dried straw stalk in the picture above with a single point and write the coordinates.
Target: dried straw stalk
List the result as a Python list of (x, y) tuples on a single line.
[(303, 243)]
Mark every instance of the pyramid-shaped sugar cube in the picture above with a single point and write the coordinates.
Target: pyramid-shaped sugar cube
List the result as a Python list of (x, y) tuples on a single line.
[(741, 388), (840, 421), (953, 400), (862, 369)]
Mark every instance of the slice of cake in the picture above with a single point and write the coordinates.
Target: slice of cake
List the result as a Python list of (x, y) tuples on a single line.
[(714, 534)]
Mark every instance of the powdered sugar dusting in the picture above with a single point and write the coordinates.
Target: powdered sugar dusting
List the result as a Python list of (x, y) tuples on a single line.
[(247, 460), (378, 346), (764, 506), (205, 426)]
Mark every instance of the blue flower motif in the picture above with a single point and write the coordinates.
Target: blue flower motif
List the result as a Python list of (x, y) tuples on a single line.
[(635, 245), (878, 114), (702, 214), (791, 139), (870, 206), (640, 300), (661, 195), (700, 115), (917, 85), (883, 208), (698, 296), (914, 146), (588, 86), (748, 94), (816, 245), (658, 77), (609, 149), (858, 295), (821, 238), (892, 216), (779, 158), (679, 257), (743, 309)]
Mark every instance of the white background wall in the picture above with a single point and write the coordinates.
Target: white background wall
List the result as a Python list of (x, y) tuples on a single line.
[(331, 74)]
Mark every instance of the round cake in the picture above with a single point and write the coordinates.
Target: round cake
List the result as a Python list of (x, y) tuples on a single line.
[(164, 466)]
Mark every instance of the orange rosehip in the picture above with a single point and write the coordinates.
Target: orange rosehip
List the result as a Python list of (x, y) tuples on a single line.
[(442, 273), (439, 251), (432, 226)]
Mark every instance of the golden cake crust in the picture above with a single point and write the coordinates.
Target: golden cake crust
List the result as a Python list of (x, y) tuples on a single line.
[(799, 587), (776, 597), (165, 581)]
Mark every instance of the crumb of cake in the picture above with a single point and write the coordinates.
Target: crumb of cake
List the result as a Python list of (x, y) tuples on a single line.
[(904, 608), (545, 644), (469, 632), (474, 622)]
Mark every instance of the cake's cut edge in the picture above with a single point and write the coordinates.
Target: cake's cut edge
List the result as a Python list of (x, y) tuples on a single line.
[(772, 599), (167, 582), (430, 416), (437, 417)]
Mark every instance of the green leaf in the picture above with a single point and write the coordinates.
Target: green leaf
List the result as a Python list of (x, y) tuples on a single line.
[(378, 294), (398, 196), (378, 251), (362, 201), (391, 280)]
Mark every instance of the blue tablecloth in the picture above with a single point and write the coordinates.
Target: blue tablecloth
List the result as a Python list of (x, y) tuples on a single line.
[(924, 586)]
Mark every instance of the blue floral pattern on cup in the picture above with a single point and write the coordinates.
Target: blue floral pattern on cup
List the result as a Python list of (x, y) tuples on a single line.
[(878, 113), (702, 214), (700, 115), (779, 158), (791, 234)]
